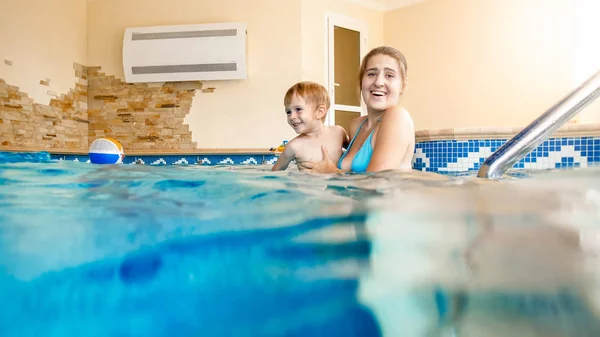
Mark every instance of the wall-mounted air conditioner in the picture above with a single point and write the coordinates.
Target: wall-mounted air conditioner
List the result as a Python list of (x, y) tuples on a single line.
[(185, 53)]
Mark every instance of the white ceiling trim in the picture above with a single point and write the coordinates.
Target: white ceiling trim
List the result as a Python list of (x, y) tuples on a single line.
[(377, 5), (385, 5), (380, 5), (395, 4)]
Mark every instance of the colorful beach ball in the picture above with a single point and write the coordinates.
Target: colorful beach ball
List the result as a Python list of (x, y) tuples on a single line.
[(106, 151)]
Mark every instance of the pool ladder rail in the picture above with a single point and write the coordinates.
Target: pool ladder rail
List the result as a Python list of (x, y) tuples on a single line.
[(540, 129)]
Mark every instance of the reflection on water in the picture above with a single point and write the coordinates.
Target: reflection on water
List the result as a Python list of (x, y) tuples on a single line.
[(518, 255), (220, 251)]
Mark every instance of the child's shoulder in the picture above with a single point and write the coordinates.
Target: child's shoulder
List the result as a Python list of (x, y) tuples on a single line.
[(296, 142), (335, 128)]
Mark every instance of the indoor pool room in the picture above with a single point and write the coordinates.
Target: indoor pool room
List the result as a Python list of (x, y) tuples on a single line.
[(352, 168)]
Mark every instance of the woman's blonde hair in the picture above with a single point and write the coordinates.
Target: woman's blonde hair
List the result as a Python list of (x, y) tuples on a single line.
[(389, 51)]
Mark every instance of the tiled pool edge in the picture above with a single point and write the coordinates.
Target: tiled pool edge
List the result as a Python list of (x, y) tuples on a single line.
[(171, 159), (432, 156), (468, 155), (444, 150), (465, 149)]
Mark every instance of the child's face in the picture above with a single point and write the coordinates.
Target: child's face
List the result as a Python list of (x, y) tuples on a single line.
[(302, 116), (382, 83)]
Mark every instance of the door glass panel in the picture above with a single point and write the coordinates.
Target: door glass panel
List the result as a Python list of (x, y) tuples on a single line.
[(346, 63)]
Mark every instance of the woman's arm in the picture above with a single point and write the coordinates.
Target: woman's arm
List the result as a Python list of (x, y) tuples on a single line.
[(346, 140), (396, 133)]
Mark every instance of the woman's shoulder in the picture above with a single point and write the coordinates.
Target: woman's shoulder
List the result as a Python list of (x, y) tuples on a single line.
[(398, 115), (398, 111)]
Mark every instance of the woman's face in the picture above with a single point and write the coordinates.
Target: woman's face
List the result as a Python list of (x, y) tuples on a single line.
[(381, 84)]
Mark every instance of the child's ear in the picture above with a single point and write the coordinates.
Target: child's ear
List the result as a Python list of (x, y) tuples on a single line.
[(321, 112)]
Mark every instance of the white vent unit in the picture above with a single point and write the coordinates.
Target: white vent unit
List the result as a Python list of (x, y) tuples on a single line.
[(185, 53)]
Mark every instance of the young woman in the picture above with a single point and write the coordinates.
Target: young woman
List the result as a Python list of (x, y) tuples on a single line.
[(385, 138)]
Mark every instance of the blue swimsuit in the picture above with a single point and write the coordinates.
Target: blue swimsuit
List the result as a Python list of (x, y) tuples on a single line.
[(363, 156)]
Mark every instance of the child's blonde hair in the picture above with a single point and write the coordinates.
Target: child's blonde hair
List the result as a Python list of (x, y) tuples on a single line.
[(311, 92)]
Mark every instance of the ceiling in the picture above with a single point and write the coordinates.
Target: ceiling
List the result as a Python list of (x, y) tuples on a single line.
[(386, 5), (382, 5)]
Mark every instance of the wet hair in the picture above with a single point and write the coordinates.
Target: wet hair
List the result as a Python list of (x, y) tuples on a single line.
[(313, 93)]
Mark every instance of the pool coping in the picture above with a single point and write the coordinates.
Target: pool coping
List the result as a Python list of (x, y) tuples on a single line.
[(465, 133), (166, 152), (468, 133)]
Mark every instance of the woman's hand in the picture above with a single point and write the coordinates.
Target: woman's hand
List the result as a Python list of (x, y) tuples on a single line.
[(324, 166)]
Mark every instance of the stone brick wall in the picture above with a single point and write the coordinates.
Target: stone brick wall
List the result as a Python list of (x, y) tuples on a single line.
[(63, 124), (140, 116)]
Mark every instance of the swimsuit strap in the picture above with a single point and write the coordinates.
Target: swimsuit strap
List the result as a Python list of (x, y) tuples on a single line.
[(350, 145), (356, 134), (362, 158)]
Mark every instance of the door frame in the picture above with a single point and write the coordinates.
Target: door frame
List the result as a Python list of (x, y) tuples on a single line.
[(336, 20)]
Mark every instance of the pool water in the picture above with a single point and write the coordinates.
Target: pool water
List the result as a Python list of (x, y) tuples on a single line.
[(137, 250)]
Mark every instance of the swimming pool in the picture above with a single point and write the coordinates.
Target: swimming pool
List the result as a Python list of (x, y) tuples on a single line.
[(139, 250)]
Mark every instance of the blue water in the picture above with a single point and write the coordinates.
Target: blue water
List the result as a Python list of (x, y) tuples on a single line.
[(134, 250)]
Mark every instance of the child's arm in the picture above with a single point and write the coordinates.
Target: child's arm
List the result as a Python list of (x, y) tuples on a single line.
[(285, 158)]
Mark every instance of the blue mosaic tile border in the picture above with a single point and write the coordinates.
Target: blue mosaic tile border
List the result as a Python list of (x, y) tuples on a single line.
[(433, 156), (468, 155), (183, 159)]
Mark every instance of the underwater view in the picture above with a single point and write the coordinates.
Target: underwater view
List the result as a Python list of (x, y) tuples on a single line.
[(191, 250)]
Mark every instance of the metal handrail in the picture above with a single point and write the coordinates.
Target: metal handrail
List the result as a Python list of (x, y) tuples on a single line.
[(536, 132)]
